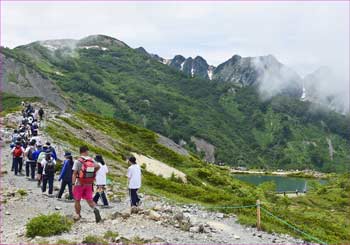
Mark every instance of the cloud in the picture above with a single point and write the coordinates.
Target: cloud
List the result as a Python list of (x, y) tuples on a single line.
[(303, 36)]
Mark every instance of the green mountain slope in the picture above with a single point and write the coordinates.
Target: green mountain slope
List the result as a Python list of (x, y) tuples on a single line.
[(111, 79)]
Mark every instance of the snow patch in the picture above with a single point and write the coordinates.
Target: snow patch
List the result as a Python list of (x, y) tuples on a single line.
[(303, 96), (210, 73), (182, 66), (94, 47), (49, 47)]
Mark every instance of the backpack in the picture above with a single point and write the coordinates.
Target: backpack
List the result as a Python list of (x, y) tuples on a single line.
[(30, 154), (17, 152), (87, 172), (49, 168)]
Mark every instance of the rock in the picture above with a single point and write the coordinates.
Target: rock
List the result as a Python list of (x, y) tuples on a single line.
[(259, 235), (58, 208), (134, 210), (153, 215), (236, 237), (219, 215), (117, 214), (157, 208), (7, 213), (179, 217), (194, 229)]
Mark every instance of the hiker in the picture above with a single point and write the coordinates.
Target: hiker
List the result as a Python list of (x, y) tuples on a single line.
[(41, 113), (84, 172), (35, 137), (13, 158), (15, 136), (48, 165), (40, 158), (101, 181), (17, 153), (49, 146), (30, 160), (66, 176), (134, 179)]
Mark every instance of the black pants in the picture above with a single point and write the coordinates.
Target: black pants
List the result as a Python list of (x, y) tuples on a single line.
[(30, 165), (134, 197), (13, 164), (63, 187), (48, 179), (101, 194), (17, 162)]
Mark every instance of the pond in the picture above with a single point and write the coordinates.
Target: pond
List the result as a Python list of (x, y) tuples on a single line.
[(283, 183)]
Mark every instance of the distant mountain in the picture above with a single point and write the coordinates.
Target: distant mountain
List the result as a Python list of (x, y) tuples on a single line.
[(248, 114), (319, 89), (265, 72)]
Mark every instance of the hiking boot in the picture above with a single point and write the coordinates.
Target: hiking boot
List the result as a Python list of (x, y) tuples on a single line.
[(97, 215), (77, 217), (139, 203)]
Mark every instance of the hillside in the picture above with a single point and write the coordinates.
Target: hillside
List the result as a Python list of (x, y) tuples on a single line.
[(103, 75), (208, 188)]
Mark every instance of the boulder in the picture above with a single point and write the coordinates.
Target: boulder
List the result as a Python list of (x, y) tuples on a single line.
[(153, 215)]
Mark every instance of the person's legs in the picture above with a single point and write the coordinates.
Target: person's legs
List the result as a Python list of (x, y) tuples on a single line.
[(51, 179), (32, 169), (20, 163), (43, 187), (104, 198), (16, 162), (70, 190), (27, 168), (63, 186), (87, 195), (134, 197), (77, 207), (13, 164), (96, 197)]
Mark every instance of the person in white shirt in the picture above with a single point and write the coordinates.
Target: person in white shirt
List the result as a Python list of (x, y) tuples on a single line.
[(101, 181), (134, 179)]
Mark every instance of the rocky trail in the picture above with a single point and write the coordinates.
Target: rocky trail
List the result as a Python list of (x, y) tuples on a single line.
[(158, 221)]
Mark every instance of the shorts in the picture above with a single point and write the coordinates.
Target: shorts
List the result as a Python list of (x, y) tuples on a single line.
[(40, 169), (82, 192)]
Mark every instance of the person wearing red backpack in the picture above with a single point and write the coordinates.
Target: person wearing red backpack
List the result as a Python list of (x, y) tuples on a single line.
[(84, 173), (17, 153)]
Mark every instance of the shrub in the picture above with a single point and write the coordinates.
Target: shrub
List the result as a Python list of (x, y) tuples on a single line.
[(109, 235), (64, 241), (22, 192), (94, 240), (48, 225)]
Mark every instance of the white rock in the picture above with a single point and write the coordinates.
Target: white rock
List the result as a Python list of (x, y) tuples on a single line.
[(220, 215), (154, 215), (236, 237)]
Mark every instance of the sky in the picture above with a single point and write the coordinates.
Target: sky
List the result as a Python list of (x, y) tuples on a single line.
[(303, 36)]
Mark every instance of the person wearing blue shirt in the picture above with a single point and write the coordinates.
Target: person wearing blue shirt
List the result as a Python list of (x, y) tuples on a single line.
[(66, 176)]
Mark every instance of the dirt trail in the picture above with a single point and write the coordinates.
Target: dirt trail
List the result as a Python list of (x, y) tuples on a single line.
[(158, 225)]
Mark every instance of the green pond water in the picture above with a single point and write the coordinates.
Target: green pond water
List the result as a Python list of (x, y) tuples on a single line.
[(283, 183)]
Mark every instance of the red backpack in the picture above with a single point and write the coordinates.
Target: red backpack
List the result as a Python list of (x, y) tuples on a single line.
[(18, 151), (87, 172)]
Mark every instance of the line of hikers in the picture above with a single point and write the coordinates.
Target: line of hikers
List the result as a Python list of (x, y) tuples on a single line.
[(79, 175)]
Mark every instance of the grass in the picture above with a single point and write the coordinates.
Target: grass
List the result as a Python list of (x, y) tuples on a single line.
[(47, 225), (94, 240), (22, 192)]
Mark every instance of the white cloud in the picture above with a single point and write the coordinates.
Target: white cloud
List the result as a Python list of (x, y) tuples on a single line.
[(303, 35)]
